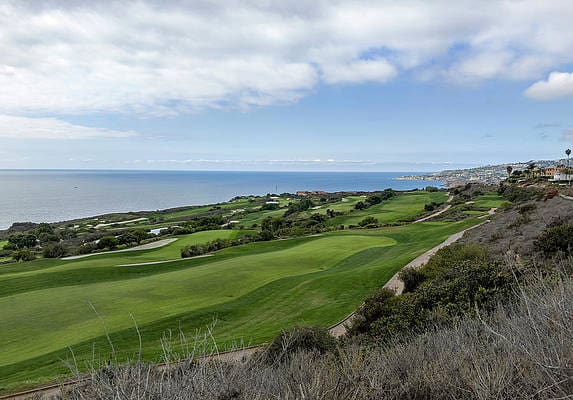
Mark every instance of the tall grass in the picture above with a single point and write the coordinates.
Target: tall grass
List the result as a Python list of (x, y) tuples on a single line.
[(524, 350)]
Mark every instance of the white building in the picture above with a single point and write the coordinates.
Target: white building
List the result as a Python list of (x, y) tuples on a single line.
[(562, 177)]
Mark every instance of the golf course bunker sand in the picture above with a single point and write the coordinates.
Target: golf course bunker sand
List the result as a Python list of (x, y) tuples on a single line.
[(164, 261), (147, 246)]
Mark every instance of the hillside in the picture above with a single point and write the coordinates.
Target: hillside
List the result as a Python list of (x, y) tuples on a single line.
[(489, 174)]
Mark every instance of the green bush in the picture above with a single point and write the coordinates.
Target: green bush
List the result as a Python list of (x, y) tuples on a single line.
[(456, 278), (23, 255), (300, 338), (368, 222), (556, 239), (411, 277), (54, 250)]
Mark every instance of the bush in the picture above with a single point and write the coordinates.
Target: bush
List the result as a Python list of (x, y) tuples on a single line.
[(55, 250), (518, 194), (23, 255), (555, 239), (87, 248), (192, 251), (411, 277), (369, 222), (527, 208), (109, 242), (300, 338)]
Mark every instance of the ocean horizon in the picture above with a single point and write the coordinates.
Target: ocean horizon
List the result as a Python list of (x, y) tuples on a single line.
[(36, 195)]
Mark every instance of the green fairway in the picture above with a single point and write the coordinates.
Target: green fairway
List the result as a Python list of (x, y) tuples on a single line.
[(253, 291), (490, 200), (400, 208)]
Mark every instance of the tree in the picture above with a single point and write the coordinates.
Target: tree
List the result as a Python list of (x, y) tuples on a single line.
[(140, 235), (109, 242), (23, 241), (23, 255), (568, 153), (509, 170), (54, 250)]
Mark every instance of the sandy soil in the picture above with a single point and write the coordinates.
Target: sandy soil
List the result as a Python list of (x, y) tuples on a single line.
[(147, 246)]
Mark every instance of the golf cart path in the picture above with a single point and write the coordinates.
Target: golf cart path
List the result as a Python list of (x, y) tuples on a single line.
[(147, 246), (450, 198)]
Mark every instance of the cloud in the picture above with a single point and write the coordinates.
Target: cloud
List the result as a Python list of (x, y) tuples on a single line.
[(360, 71), (152, 57), (557, 85), (567, 135), (51, 128), (545, 125)]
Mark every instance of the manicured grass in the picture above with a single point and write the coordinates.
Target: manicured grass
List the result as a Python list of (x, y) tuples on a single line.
[(404, 207), (490, 200), (3, 243), (253, 291)]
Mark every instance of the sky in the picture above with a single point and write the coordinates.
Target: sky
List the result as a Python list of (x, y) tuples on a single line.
[(284, 85)]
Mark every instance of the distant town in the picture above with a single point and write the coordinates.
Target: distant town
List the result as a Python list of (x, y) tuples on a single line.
[(555, 170)]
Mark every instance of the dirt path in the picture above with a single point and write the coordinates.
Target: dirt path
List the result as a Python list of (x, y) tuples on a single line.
[(147, 246)]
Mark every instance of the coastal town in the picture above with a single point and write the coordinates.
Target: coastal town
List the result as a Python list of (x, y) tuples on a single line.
[(550, 170)]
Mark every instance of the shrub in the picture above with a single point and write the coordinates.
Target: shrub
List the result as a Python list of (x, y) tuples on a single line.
[(109, 242), (23, 255), (300, 338), (555, 239), (369, 222), (192, 251), (87, 248), (54, 250), (527, 208), (411, 277)]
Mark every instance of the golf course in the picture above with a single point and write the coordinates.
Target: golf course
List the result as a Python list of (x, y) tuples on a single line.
[(118, 306)]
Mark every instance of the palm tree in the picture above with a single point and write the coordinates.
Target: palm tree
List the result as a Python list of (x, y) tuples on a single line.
[(568, 153)]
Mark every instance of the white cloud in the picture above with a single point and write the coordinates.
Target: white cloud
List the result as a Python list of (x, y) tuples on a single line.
[(558, 84), (51, 128), (171, 57), (360, 71)]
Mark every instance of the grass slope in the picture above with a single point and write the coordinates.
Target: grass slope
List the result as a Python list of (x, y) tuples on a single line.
[(253, 291)]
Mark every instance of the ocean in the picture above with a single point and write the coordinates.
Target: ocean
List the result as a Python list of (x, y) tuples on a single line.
[(57, 195)]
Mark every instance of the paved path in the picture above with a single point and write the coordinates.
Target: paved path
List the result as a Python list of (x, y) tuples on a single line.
[(148, 246), (450, 198)]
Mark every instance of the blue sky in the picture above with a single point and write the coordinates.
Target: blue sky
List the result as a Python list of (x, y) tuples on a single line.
[(373, 86)]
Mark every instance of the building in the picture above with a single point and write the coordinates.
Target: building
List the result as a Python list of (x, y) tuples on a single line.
[(562, 177), (550, 172)]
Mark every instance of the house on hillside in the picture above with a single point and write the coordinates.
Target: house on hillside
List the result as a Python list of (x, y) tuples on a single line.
[(562, 177), (550, 172)]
